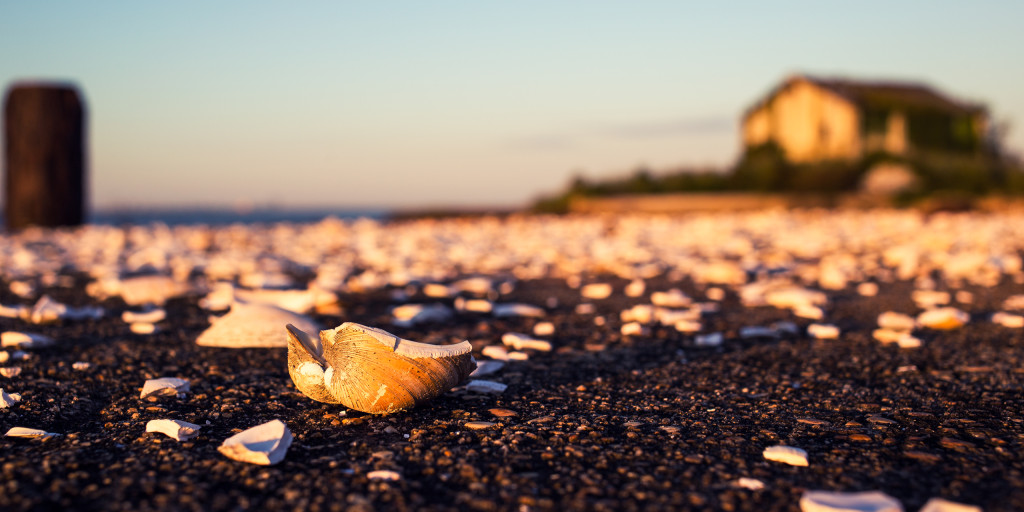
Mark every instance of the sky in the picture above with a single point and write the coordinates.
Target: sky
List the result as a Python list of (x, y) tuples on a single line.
[(408, 104)]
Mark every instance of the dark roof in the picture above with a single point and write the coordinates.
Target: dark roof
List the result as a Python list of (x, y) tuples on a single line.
[(883, 95)]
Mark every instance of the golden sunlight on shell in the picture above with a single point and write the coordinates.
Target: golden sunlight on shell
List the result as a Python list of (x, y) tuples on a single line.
[(373, 371)]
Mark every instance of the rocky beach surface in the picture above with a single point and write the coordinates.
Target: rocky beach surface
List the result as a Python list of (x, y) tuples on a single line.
[(702, 362)]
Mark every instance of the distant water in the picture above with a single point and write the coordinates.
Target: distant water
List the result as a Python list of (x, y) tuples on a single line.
[(215, 217)]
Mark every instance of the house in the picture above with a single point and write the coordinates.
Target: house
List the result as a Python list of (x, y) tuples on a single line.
[(816, 119)]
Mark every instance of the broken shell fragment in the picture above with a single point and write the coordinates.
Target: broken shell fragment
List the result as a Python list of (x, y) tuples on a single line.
[(786, 455), (8, 400), (596, 291), (823, 331), (264, 444), (373, 371), (10, 371), (142, 328), (1008, 319), (523, 342), (29, 433), (487, 367), (896, 321), (384, 474), (175, 429), (826, 501), (943, 318), (486, 387), (941, 505), (516, 309), (152, 316), (166, 386), (253, 325), (24, 340), (81, 365)]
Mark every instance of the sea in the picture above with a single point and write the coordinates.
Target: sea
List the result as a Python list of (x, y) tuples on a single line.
[(222, 217)]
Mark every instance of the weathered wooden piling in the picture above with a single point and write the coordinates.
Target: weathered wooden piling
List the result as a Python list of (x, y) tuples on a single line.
[(44, 155)]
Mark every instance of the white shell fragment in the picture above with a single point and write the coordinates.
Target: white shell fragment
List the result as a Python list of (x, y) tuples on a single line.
[(896, 321), (486, 387), (253, 325), (495, 352), (29, 433), (786, 455), (142, 328), (384, 474), (544, 329), (47, 310), (409, 315), (520, 341), (487, 367), (139, 290), (826, 501), (8, 400), (943, 318), (264, 444), (25, 340), (673, 298), (1010, 320), (81, 365), (464, 305), (823, 331), (751, 484), (635, 288), (633, 329), (166, 386), (712, 339), (10, 371), (175, 429), (941, 505)]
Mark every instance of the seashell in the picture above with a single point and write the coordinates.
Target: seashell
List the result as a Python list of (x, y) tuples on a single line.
[(786, 455), (264, 444), (946, 318), (252, 325), (495, 352), (142, 328), (1008, 319), (486, 387), (523, 342), (8, 400), (24, 340), (473, 305), (175, 429), (10, 371), (479, 425), (29, 433), (371, 370), (166, 386), (827, 501)]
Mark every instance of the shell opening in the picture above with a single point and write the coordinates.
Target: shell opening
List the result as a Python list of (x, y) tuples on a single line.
[(310, 343)]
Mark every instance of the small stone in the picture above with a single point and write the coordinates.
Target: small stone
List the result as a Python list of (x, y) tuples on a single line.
[(523, 342), (826, 501), (714, 293), (1010, 320), (751, 484), (786, 454), (896, 321), (688, 326), (947, 318), (479, 425), (515, 309), (633, 329), (151, 316), (24, 340), (596, 291), (544, 329), (673, 298), (635, 288), (868, 289), (142, 328), (751, 332), (81, 365), (503, 413), (812, 421), (10, 371), (585, 309), (495, 352)]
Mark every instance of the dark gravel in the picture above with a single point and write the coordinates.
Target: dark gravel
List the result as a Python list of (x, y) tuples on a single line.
[(602, 423)]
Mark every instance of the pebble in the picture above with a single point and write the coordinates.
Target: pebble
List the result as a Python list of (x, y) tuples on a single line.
[(896, 321), (479, 425), (496, 352), (514, 309), (81, 365), (151, 316), (384, 474), (520, 341), (947, 318), (715, 293), (1010, 320), (713, 339), (635, 288), (142, 328), (867, 289), (4, 356), (473, 305), (673, 298), (827, 501), (633, 329), (596, 291), (544, 329), (751, 484), (502, 413), (786, 455)]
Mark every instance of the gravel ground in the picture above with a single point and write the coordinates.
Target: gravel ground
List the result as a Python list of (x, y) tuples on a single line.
[(603, 422)]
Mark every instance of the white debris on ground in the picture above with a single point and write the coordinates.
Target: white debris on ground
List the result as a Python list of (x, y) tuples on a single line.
[(941, 505), (871, 501), (164, 386), (8, 400), (786, 455), (25, 340), (520, 341), (175, 429), (253, 325), (29, 433), (264, 444), (485, 387)]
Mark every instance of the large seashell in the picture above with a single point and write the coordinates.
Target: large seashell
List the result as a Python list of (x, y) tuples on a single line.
[(371, 370)]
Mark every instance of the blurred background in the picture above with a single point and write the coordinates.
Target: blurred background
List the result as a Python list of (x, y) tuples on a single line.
[(407, 105)]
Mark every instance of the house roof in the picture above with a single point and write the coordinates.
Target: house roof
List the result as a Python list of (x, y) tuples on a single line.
[(881, 95)]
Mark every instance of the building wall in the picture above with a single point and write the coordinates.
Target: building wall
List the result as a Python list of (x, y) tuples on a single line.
[(808, 122)]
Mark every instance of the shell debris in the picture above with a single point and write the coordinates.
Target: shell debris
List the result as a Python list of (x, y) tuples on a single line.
[(265, 444), (827, 501), (253, 326), (596, 291), (942, 505), (165, 386), (10, 371), (486, 387), (786, 455), (29, 433), (8, 400), (520, 341), (384, 474), (25, 340), (175, 429)]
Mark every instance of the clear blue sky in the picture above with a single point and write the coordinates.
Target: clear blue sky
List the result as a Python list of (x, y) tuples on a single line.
[(356, 104)]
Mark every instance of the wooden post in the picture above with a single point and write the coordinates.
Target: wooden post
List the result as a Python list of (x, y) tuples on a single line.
[(44, 156)]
